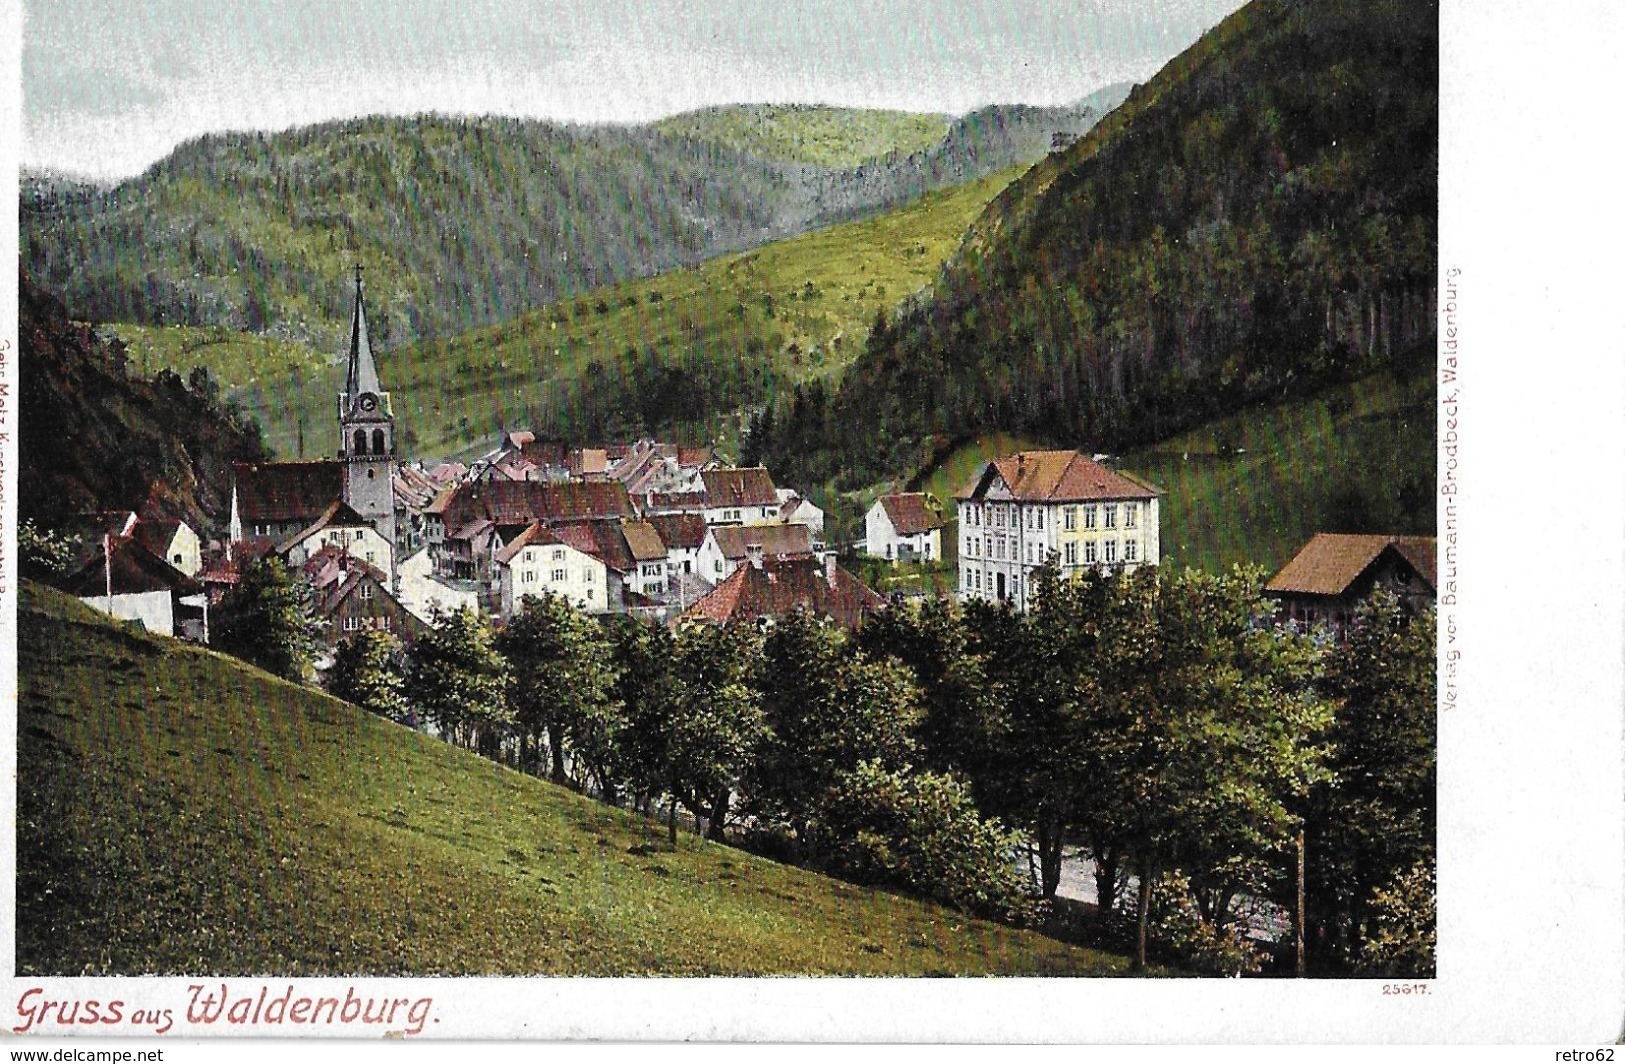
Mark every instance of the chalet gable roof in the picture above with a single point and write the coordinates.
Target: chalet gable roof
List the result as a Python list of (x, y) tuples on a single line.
[(1330, 563)]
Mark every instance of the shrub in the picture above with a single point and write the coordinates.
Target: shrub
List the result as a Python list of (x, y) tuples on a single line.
[(921, 831)]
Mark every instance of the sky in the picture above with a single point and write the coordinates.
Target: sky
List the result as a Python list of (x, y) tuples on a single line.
[(110, 87)]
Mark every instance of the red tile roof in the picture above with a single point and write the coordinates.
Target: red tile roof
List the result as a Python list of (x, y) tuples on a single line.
[(776, 541), (781, 587), (679, 531), (911, 513), (1331, 562), (739, 487), (272, 492), (521, 502), (672, 502), (1056, 476)]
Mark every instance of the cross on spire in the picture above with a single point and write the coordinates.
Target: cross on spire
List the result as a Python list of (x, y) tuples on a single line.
[(363, 375)]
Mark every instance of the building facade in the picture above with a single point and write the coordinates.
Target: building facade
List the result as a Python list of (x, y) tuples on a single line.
[(1024, 509)]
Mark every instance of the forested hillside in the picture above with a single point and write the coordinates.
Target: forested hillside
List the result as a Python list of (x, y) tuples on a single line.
[(464, 222), (93, 435), (1257, 220)]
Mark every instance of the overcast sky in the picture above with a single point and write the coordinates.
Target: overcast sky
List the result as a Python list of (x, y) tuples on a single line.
[(109, 87)]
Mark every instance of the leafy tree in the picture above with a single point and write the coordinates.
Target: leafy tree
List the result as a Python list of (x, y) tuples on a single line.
[(827, 710), (42, 553), (268, 620), (1228, 741), (922, 831), (1379, 819), (368, 671), (459, 682), (1402, 932), (715, 719), (563, 675)]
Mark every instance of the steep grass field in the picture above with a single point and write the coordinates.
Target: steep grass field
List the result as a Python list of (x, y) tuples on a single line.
[(793, 310), (1251, 489), (178, 812)]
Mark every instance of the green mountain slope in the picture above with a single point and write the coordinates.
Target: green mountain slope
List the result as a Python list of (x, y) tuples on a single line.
[(466, 222), (806, 133), (95, 431), (677, 353), (1257, 220), (179, 812)]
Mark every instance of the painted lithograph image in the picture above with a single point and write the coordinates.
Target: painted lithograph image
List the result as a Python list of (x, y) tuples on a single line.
[(820, 489)]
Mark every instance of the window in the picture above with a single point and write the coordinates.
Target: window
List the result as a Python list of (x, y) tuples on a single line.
[(586, 576), (177, 559), (1069, 518), (1089, 553), (1029, 554), (528, 576), (1111, 551), (1040, 520), (1131, 550), (1089, 516), (558, 554), (558, 576), (366, 592), (1072, 552), (1131, 515), (352, 624), (358, 535), (1111, 515)]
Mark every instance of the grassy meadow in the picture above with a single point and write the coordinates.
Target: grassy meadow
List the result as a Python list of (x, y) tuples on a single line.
[(179, 812)]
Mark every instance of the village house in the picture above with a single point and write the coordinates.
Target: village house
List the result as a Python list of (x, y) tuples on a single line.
[(683, 534), (650, 557), (768, 589), (727, 547), (173, 540), (351, 596), (904, 528), (538, 561), (473, 512), (340, 527), (739, 496), (1325, 582), (123, 579), (1024, 509), (796, 509)]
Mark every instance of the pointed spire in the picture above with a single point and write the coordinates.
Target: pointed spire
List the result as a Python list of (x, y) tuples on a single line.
[(363, 375)]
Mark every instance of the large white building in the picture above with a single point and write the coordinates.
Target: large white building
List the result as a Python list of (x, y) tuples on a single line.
[(1025, 508)]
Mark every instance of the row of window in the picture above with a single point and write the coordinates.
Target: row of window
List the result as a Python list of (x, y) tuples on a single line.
[(1094, 515), (556, 576), (997, 548), (355, 624)]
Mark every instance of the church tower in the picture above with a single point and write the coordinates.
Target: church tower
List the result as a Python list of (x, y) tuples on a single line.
[(367, 431)]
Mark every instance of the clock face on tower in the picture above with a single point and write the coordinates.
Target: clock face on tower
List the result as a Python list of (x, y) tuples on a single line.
[(368, 404)]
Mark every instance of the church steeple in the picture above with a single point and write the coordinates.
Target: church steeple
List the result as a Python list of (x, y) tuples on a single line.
[(363, 376), (367, 429)]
